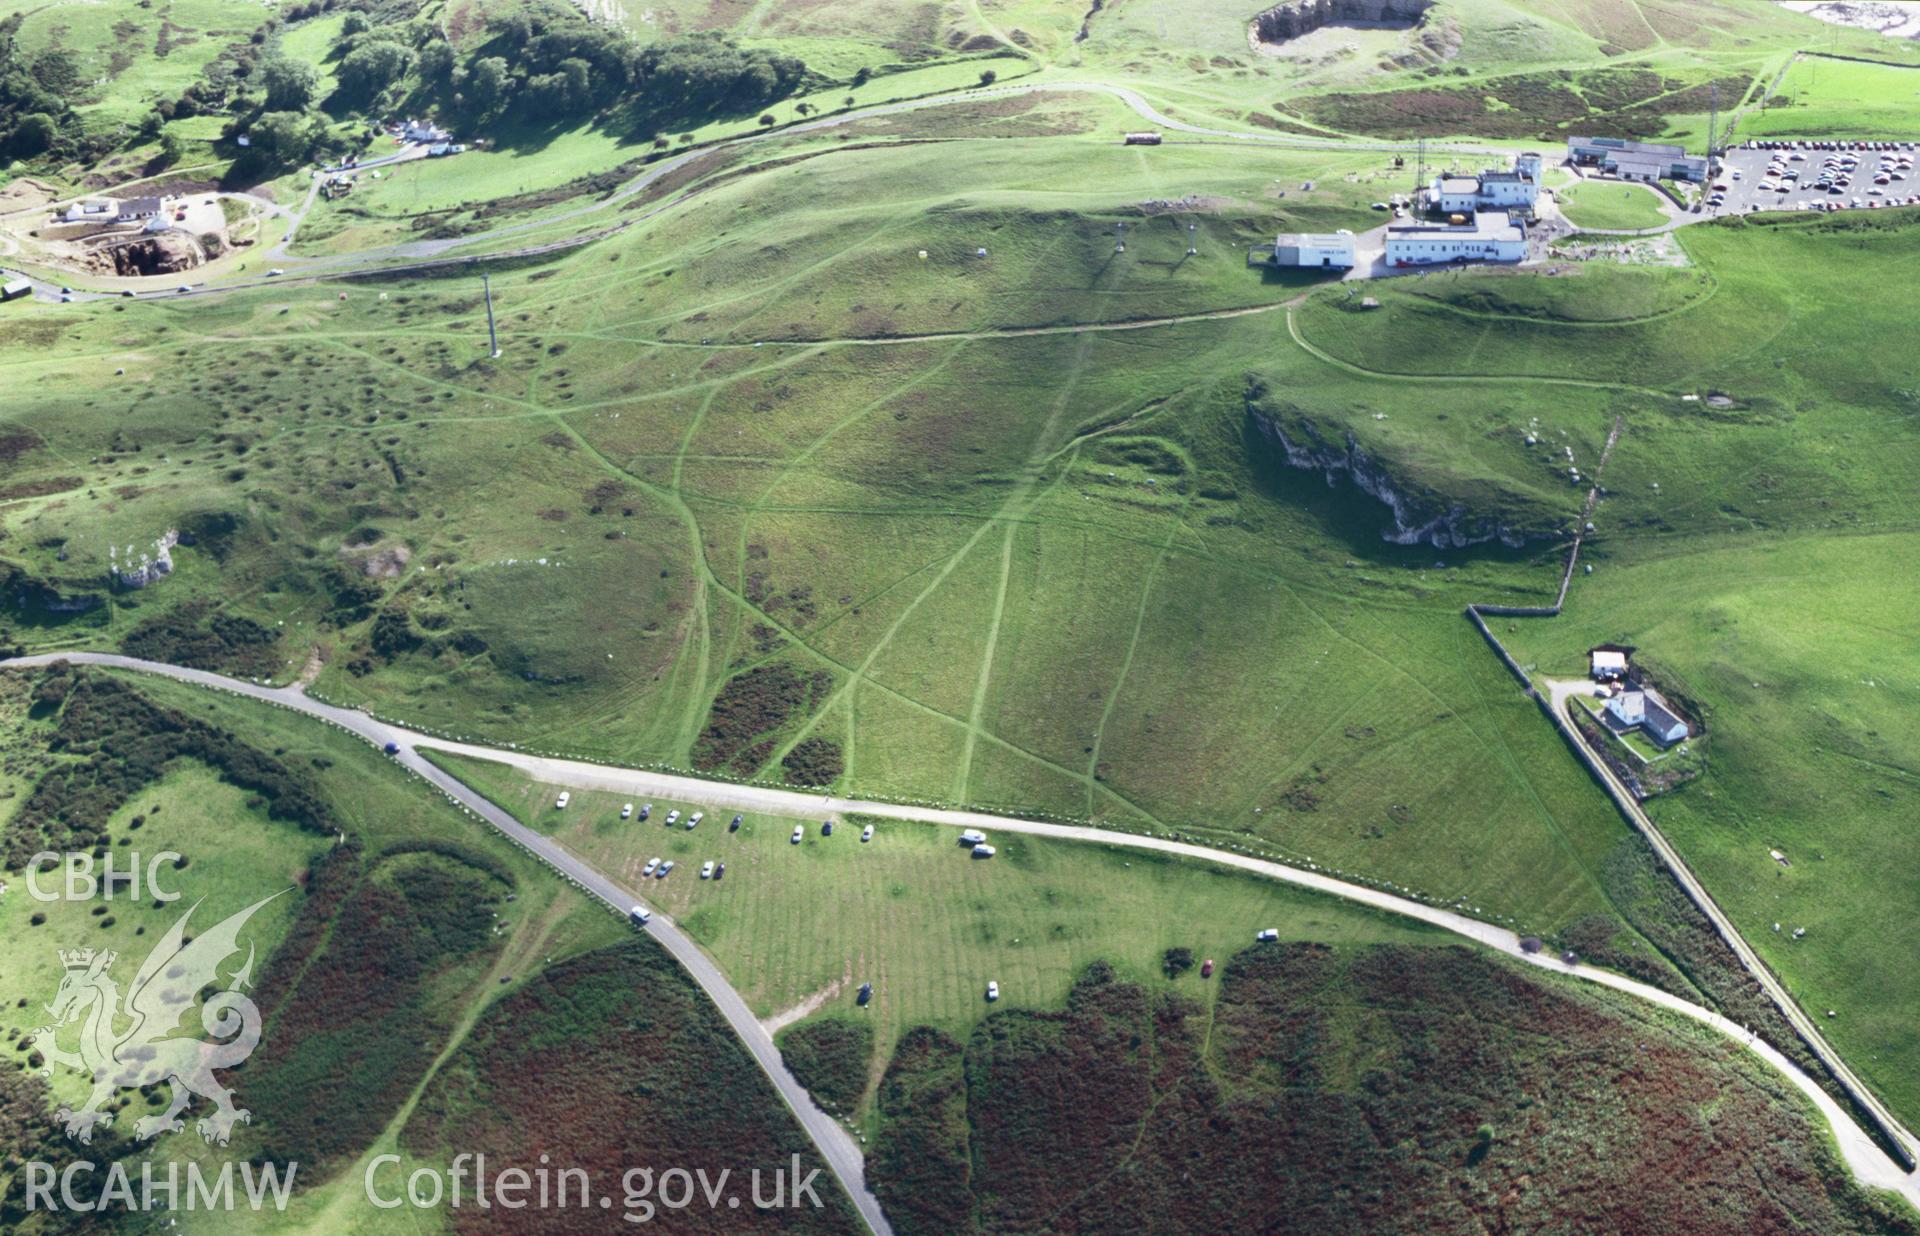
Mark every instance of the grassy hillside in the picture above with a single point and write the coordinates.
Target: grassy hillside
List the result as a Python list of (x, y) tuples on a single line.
[(800, 928), (1346, 1089), (398, 928), (1791, 646)]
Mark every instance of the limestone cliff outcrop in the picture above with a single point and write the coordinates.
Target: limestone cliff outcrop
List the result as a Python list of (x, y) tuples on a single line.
[(1292, 18), (1421, 515), (151, 567)]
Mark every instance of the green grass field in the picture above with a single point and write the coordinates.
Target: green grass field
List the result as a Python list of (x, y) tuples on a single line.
[(1613, 206), (1819, 97), (1792, 646), (801, 927)]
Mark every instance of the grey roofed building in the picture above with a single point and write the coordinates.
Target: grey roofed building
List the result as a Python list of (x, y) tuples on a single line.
[(139, 208), (1637, 160), (1646, 711)]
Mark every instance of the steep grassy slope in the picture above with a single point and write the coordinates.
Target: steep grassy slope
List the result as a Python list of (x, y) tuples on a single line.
[(399, 926), (1348, 1089)]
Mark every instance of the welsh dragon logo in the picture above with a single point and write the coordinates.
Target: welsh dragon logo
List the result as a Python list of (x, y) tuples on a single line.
[(134, 1042)]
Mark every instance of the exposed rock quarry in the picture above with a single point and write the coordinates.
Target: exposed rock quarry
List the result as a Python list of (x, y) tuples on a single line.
[(1293, 18), (380, 564), (152, 568), (1417, 519), (163, 253)]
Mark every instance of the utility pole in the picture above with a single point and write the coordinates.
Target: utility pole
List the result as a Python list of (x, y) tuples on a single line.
[(1420, 174), (1713, 118), (493, 340)]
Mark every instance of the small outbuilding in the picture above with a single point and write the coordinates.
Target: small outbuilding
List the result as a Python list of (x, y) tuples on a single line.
[(1327, 250), (1608, 662)]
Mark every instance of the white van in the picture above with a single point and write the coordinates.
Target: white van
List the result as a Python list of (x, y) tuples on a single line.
[(972, 837), (983, 851)]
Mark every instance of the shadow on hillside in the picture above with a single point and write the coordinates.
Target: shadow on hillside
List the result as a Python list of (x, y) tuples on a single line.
[(1355, 520)]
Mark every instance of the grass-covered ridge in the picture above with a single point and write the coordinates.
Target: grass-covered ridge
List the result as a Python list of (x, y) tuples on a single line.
[(1449, 1083), (400, 927)]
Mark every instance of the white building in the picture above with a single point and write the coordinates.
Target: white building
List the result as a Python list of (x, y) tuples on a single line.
[(1482, 237), (1328, 250), (1607, 662), (1648, 712), (135, 209), (1517, 188), (92, 210)]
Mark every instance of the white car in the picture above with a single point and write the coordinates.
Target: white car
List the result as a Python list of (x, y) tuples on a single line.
[(639, 915), (276, 271), (695, 818), (866, 834), (799, 831), (626, 811), (993, 992), (672, 816), (1269, 934), (649, 868), (561, 802), (706, 870)]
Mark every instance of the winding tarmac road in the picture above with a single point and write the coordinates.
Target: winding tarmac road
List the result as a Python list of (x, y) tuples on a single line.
[(836, 1146), (1870, 1165), (418, 255)]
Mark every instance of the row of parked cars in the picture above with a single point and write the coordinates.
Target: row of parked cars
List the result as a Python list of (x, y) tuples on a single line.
[(1783, 143)]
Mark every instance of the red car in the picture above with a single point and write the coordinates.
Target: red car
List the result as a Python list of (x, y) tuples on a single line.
[(1206, 968)]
